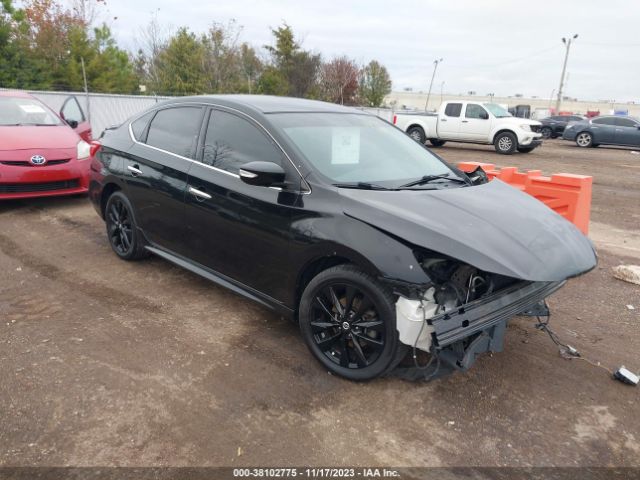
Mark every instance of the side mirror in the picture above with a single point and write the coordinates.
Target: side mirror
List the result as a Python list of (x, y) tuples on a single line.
[(262, 174), (484, 115), (72, 123)]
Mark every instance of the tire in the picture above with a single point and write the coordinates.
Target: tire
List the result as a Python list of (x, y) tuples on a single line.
[(525, 149), (334, 308), (584, 140), (547, 132), (122, 232), (437, 143), (505, 143), (417, 133)]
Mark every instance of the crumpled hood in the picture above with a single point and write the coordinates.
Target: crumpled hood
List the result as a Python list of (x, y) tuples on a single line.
[(493, 227)]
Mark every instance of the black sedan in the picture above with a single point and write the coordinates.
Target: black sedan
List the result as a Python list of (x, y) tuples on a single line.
[(606, 130), (552, 127), (337, 220)]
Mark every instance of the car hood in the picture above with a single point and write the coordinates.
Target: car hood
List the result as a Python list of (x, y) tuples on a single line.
[(29, 137), (520, 121), (494, 227)]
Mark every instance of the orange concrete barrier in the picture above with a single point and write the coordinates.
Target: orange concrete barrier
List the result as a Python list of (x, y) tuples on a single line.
[(567, 194)]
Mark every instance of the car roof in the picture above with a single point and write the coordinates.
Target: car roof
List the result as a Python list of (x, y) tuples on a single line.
[(15, 94), (267, 103)]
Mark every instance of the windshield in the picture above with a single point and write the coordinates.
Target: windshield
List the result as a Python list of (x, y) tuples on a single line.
[(25, 111), (358, 148), (497, 110)]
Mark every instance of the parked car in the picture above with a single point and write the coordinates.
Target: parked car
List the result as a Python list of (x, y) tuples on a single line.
[(552, 127), (337, 220), (41, 154), (472, 122), (606, 130)]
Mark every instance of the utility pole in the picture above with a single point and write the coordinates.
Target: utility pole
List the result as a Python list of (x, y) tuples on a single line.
[(435, 67), (86, 89), (567, 44)]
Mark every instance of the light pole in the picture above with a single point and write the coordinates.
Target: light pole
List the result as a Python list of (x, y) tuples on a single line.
[(567, 44), (435, 67)]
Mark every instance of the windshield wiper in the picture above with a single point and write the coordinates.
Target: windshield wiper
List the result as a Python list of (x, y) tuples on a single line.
[(430, 178), (362, 186)]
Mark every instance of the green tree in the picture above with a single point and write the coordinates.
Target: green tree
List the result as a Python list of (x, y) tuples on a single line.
[(181, 65), (375, 84), (298, 68)]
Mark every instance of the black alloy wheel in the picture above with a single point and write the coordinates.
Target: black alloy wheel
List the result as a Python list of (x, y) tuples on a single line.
[(121, 228), (546, 132), (348, 323)]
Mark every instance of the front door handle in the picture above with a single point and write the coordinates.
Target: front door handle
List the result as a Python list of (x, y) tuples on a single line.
[(134, 169), (465, 121), (199, 194), (443, 119)]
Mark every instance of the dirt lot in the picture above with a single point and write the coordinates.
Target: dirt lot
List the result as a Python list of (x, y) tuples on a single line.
[(104, 362)]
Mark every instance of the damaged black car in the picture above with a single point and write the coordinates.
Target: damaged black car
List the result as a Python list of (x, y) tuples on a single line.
[(336, 219)]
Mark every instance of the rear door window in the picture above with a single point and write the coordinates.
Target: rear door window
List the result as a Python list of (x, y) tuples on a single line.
[(604, 121), (176, 130), (453, 109)]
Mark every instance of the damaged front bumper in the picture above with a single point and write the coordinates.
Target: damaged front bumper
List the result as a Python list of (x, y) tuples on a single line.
[(458, 335)]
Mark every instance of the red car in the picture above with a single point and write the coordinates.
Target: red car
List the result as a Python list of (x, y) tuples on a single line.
[(40, 153)]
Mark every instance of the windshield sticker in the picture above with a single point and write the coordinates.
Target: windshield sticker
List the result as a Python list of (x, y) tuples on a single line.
[(31, 108), (345, 145)]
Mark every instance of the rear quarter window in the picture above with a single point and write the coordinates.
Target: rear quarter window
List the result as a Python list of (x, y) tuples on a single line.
[(139, 126)]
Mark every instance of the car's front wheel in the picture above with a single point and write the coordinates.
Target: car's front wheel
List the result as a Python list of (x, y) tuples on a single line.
[(584, 139), (124, 237), (505, 143), (436, 142), (546, 132), (348, 321)]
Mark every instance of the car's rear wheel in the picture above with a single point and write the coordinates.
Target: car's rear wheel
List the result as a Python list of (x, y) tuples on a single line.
[(437, 143), (505, 143), (123, 234), (584, 139), (546, 132), (348, 322), (417, 133)]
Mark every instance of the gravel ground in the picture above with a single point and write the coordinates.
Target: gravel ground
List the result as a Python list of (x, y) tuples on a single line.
[(105, 362)]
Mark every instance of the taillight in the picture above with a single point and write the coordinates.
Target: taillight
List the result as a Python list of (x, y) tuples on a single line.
[(395, 119), (95, 146)]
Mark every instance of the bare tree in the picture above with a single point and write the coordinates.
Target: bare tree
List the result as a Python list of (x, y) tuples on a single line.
[(152, 41), (339, 80)]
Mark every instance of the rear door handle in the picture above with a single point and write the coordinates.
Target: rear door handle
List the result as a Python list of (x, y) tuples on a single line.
[(134, 169), (465, 121), (443, 119), (199, 194)]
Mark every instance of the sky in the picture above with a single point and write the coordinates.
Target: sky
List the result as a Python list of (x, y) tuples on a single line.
[(487, 46)]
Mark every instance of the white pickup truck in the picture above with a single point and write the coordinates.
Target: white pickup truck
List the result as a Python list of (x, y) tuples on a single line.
[(472, 122)]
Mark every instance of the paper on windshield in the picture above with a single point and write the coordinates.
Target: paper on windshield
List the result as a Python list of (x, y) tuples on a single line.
[(31, 108), (345, 145)]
